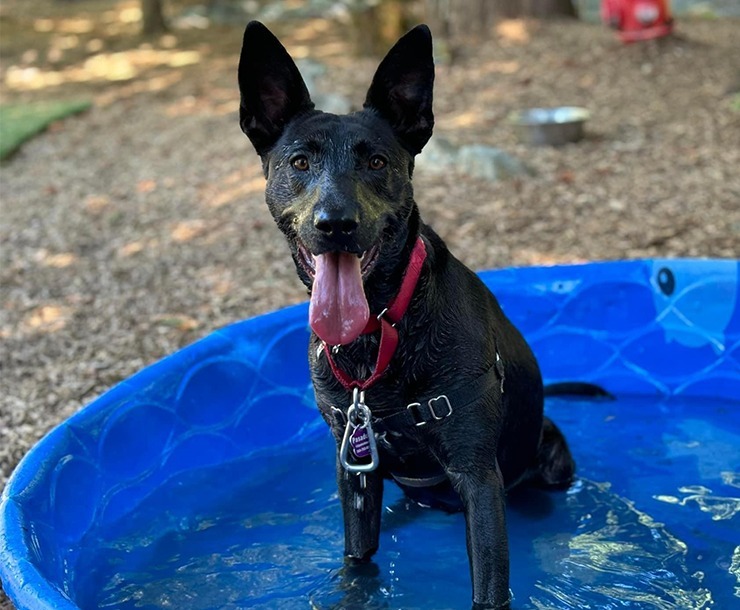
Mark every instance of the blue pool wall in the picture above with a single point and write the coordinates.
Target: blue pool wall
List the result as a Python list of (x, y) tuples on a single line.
[(649, 327)]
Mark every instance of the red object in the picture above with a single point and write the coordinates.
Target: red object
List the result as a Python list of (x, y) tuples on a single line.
[(637, 19), (386, 322)]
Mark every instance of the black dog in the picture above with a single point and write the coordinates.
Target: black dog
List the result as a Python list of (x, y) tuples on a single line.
[(420, 375)]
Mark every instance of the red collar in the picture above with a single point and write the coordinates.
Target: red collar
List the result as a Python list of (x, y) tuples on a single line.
[(386, 322)]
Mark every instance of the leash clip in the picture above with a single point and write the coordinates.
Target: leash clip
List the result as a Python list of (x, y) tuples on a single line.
[(359, 438)]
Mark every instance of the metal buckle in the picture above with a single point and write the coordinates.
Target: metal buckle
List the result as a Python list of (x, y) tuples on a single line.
[(416, 415), (446, 402)]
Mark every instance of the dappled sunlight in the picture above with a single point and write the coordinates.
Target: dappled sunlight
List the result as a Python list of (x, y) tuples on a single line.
[(120, 66), (187, 230), (91, 48), (515, 31), (226, 108), (130, 14), (525, 256), (218, 101), (315, 38), (69, 25), (328, 50), (97, 204), (179, 322), (234, 188), (128, 64), (319, 51), (94, 45), (310, 30), (130, 249), (185, 106), (232, 194), (59, 260), (149, 85), (463, 119), (219, 280), (49, 318), (135, 247), (59, 45), (501, 67), (146, 186)]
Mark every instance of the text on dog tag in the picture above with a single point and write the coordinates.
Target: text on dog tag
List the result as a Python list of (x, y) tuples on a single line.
[(360, 442)]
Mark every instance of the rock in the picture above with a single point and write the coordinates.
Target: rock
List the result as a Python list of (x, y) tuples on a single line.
[(332, 102), (438, 155), (489, 163), (476, 160), (311, 70)]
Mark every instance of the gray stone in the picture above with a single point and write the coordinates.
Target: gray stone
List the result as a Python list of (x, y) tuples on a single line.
[(489, 163), (477, 160), (438, 155), (332, 102), (311, 70)]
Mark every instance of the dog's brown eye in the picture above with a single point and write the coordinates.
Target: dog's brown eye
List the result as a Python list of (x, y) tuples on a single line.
[(377, 162), (300, 163)]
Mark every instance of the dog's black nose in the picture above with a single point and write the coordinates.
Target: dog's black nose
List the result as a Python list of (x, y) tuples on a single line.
[(335, 222)]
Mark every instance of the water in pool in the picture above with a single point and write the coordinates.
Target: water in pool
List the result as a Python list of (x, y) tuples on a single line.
[(651, 523)]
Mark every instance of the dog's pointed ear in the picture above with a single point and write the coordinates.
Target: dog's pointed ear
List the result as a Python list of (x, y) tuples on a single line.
[(271, 87), (401, 90)]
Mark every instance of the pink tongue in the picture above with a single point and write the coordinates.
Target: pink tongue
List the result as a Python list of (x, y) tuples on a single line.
[(338, 311)]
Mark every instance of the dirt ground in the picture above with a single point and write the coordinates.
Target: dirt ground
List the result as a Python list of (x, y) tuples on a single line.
[(140, 226)]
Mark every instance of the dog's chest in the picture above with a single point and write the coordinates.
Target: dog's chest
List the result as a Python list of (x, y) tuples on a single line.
[(402, 449), (405, 453)]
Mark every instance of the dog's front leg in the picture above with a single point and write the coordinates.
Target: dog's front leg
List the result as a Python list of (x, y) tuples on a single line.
[(482, 493), (361, 496)]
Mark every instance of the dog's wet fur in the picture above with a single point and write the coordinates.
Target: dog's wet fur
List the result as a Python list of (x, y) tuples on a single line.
[(343, 184)]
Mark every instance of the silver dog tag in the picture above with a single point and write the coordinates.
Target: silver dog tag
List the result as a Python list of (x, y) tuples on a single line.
[(359, 438)]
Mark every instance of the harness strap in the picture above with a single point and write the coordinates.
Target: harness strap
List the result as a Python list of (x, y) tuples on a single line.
[(425, 412), (441, 406), (429, 481)]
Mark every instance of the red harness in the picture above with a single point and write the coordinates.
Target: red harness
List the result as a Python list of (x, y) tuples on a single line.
[(386, 322)]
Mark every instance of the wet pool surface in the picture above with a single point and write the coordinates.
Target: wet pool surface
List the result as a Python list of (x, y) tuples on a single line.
[(652, 522)]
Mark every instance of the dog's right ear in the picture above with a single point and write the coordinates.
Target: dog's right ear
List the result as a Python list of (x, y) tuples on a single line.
[(271, 87)]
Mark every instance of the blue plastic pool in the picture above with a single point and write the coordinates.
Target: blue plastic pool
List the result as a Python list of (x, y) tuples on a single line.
[(206, 481)]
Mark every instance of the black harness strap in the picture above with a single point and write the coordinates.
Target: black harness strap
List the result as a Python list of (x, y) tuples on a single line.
[(430, 410), (436, 408)]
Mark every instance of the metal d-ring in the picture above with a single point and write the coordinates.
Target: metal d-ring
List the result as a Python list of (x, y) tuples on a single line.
[(381, 316)]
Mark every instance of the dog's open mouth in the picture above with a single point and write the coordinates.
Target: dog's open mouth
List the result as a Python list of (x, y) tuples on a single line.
[(367, 260), (338, 312)]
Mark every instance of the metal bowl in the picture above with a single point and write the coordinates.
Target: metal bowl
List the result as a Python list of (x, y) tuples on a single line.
[(550, 126)]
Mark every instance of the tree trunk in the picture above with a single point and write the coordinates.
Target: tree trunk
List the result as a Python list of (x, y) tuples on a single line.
[(376, 27), (544, 8), (152, 17), (473, 18)]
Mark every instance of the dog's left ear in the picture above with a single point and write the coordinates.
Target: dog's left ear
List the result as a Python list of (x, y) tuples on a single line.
[(272, 89), (401, 91)]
